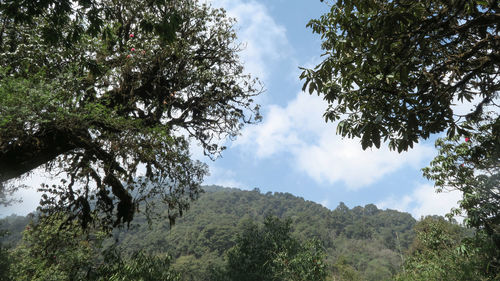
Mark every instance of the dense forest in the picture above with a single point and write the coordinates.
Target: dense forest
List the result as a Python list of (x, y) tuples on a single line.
[(364, 237), (362, 243)]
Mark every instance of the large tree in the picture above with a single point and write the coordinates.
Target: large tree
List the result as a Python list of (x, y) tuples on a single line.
[(436, 254), (270, 252), (108, 93), (52, 249), (472, 166), (393, 70)]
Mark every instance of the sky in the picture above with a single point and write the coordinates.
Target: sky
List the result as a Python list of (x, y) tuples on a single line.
[(293, 150)]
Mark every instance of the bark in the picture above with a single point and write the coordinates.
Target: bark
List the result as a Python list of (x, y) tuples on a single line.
[(22, 157)]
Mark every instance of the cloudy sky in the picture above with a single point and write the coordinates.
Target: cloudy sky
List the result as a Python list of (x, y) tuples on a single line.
[(293, 150)]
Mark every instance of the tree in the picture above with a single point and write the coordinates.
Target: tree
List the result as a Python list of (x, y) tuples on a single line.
[(394, 69), (344, 271), (138, 267), (400, 83), (111, 97), (438, 253), (271, 253), (5, 260), (472, 166), (53, 250), (58, 14)]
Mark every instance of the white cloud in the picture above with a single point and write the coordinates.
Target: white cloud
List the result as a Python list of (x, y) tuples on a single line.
[(300, 130), (285, 129), (223, 177), (424, 201), (265, 41), (333, 159), (273, 135), (265, 44), (325, 203)]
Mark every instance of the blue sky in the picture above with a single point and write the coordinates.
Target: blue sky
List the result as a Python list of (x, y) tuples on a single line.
[(293, 150)]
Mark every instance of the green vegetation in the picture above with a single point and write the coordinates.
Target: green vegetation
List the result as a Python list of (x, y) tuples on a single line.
[(97, 90), (441, 251), (473, 167), (138, 267), (4, 256), (230, 234), (225, 224), (271, 253), (126, 78), (53, 250), (399, 85), (393, 70)]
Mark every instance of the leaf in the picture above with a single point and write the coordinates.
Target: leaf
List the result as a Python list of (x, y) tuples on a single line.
[(376, 137), (312, 88), (366, 139), (403, 75)]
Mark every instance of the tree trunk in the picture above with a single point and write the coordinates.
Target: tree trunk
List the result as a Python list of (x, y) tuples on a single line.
[(22, 157)]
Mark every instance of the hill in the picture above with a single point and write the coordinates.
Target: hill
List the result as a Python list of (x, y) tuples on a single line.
[(365, 241)]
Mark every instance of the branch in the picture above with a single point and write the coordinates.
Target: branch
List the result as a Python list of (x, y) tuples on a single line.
[(43, 147)]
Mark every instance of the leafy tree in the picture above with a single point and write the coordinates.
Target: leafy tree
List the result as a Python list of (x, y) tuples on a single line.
[(392, 70), (344, 271), (5, 260), (438, 253), (472, 167), (105, 91), (341, 217), (271, 253), (52, 250), (138, 267), (58, 14)]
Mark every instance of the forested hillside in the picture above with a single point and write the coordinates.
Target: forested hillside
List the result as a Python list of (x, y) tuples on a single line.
[(364, 242)]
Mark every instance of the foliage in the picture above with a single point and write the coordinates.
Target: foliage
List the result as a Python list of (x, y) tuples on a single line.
[(11, 228), (439, 253), (400, 84), (139, 267), (271, 253), (344, 271), (393, 70), (198, 242), (102, 90), (472, 167), (58, 14), (4, 258), (51, 250)]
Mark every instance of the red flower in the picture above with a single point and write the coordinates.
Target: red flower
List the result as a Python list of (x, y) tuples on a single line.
[(129, 56), (462, 165), (131, 35), (133, 49), (467, 139)]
